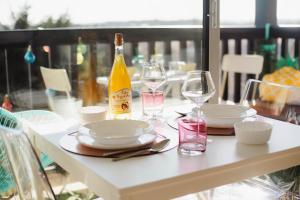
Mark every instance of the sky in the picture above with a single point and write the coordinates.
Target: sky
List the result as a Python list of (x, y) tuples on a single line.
[(99, 11), (288, 10), (95, 11)]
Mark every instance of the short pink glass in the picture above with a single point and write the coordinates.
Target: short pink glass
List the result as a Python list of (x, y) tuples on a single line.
[(192, 136), (153, 104)]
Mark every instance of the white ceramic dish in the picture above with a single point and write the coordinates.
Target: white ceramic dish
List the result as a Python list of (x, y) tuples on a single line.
[(90, 114), (97, 144), (116, 134), (224, 116), (253, 132)]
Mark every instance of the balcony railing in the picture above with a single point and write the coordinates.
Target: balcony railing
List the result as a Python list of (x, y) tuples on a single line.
[(173, 43)]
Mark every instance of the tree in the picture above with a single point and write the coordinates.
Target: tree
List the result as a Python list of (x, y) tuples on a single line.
[(21, 18), (62, 21), (4, 27)]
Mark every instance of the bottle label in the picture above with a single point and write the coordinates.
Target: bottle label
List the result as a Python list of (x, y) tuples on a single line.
[(120, 101)]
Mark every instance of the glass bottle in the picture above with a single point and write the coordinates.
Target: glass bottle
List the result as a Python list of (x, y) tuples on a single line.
[(119, 85)]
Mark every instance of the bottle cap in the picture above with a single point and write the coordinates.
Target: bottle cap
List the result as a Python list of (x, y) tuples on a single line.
[(119, 39)]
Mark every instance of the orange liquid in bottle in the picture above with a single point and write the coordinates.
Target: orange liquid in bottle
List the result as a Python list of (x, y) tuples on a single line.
[(119, 85)]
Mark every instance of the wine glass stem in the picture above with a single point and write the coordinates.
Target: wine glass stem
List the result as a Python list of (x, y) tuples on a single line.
[(198, 117), (153, 103)]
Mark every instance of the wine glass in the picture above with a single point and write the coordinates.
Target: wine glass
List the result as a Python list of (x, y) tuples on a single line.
[(153, 77), (198, 87)]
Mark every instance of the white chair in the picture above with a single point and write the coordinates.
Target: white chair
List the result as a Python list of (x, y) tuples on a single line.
[(247, 64), (58, 80)]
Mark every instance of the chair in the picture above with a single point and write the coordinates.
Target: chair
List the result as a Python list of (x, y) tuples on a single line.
[(247, 64), (21, 168), (273, 100), (58, 80)]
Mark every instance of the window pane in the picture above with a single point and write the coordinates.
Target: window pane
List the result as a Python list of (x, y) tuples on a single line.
[(237, 12), (87, 54), (288, 12), (101, 13)]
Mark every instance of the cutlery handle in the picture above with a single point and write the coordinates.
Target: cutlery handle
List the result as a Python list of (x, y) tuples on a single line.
[(130, 154), (112, 153)]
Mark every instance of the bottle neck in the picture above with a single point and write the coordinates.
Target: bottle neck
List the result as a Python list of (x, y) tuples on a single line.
[(119, 50)]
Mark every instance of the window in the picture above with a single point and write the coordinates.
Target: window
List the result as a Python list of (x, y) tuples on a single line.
[(288, 12), (237, 12), (105, 13)]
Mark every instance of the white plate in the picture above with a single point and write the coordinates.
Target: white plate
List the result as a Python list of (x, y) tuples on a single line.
[(140, 141), (115, 134), (224, 116)]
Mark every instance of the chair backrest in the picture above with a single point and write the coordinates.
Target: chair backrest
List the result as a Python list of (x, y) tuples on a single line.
[(273, 100), (56, 79), (247, 64), (20, 165)]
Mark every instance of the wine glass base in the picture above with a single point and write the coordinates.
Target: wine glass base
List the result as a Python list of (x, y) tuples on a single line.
[(153, 119)]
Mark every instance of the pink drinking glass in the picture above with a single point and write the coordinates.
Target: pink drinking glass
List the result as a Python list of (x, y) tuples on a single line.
[(192, 136), (153, 104)]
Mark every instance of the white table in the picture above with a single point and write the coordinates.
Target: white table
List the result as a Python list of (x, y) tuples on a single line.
[(168, 175)]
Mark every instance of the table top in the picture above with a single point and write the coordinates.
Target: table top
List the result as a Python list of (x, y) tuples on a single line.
[(167, 175)]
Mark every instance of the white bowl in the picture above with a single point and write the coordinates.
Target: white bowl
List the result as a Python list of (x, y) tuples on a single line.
[(224, 116), (90, 114), (253, 132), (112, 132)]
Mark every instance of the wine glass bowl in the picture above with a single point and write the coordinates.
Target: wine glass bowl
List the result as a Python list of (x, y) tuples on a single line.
[(198, 87), (153, 76)]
